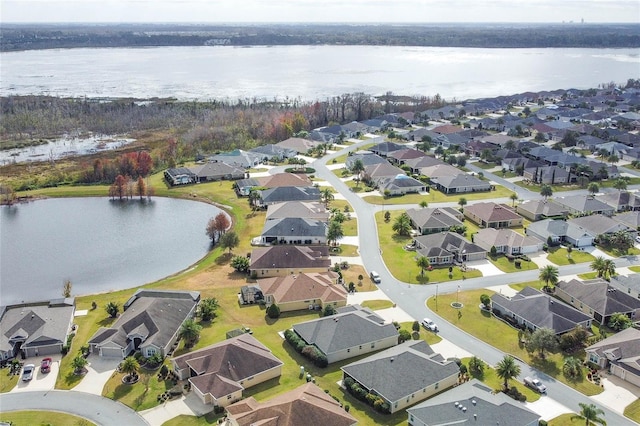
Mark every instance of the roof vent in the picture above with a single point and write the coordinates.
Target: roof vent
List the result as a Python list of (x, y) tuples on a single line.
[(473, 401), (464, 409), (475, 417), (391, 359), (456, 403)]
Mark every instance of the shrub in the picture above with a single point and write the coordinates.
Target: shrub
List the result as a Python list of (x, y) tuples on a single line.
[(347, 407), (273, 311), (542, 423), (348, 382), (164, 370), (403, 336), (329, 310), (485, 300)]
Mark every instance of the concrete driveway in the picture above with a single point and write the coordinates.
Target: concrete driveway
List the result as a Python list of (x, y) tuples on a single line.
[(617, 393), (189, 405), (547, 408), (99, 372), (41, 381), (487, 268)]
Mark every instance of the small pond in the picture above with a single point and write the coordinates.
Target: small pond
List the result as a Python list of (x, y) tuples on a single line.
[(99, 244)]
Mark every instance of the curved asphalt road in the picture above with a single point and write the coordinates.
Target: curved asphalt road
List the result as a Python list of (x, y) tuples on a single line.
[(100, 410), (411, 298)]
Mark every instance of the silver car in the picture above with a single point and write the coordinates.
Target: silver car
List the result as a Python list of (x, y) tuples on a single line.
[(27, 372)]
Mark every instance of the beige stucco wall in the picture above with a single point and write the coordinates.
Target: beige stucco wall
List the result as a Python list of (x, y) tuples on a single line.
[(424, 393), (283, 272), (362, 349)]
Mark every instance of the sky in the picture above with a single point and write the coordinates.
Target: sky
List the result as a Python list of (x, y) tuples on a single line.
[(350, 11)]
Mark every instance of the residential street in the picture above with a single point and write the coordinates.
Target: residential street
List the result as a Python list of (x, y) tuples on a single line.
[(411, 298), (100, 410)]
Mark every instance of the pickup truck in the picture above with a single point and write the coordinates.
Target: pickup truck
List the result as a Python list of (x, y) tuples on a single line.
[(535, 384)]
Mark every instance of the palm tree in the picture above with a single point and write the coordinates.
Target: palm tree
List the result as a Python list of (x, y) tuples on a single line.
[(620, 184), (593, 188), (609, 269), (334, 232), (462, 202), (507, 369), (327, 196), (130, 367), (514, 198), (356, 169), (598, 265), (546, 191), (423, 263), (572, 368), (189, 332), (549, 274), (78, 363), (590, 413), (402, 225), (208, 308), (254, 196), (112, 309)]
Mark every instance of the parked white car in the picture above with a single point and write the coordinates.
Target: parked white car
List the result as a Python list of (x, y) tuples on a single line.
[(429, 325)]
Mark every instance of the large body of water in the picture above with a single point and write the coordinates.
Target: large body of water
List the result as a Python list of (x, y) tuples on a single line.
[(309, 72), (98, 244)]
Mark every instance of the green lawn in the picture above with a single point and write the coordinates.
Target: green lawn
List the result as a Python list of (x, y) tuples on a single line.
[(402, 263), (485, 166), (140, 396), (184, 420), (555, 188), (340, 204), (559, 256), (535, 284), (633, 411), (506, 265), (609, 183), (53, 418), (350, 227), (438, 197), (7, 381), (489, 329), (588, 275), (612, 251), (345, 250), (490, 378), (565, 420), (634, 268), (374, 305)]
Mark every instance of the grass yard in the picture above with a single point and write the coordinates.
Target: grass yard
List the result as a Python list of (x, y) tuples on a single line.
[(506, 265), (533, 187), (7, 381), (633, 411), (402, 263), (52, 418), (559, 256), (374, 305), (140, 396), (436, 196), (356, 271), (184, 420), (588, 275), (344, 250), (609, 183), (535, 284), (635, 269), (612, 251), (490, 379), (485, 166), (340, 204), (490, 329), (350, 227)]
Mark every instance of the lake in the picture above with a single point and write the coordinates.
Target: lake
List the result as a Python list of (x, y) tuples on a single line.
[(98, 244), (309, 72)]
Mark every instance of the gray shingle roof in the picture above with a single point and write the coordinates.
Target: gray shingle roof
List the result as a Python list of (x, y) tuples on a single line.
[(483, 407), (290, 193), (600, 296), (294, 226), (435, 218), (397, 372)]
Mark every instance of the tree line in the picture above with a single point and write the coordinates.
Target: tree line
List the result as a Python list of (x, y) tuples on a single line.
[(43, 36)]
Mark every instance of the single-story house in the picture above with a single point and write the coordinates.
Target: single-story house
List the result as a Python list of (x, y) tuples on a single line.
[(446, 248), (353, 331), (460, 184), (378, 173), (507, 241), (294, 230), (287, 193), (631, 219), (598, 298), (620, 354), (551, 175), (431, 220), (239, 158), (301, 146), (560, 231), (219, 373), (493, 215), (403, 375), (584, 205), (383, 149), (150, 323), (272, 152), (303, 209), (217, 170), (598, 224), (313, 290), (621, 201), (305, 405), (367, 158), (279, 261), (627, 283), (417, 164), (535, 210), (401, 185), (533, 309), (245, 186), (472, 403), (179, 176), (402, 155), (35, 329)]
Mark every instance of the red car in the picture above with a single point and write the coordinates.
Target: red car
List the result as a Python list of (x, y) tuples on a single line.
[(45, 365)]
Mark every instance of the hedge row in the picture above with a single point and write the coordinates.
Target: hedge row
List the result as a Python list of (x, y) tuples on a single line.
[(308, 351), (362, 394)]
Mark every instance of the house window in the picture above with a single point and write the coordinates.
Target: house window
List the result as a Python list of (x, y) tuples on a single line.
[(572, 300), (581, 306), (228, 396), (395, 405), (594, 358), (373, 345), (151, 352), (360, 346), (437, 385), (348, 350)]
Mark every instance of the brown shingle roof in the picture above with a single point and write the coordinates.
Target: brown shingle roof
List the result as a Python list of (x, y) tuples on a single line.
[(294, 288), (290, 257), (492, 212)]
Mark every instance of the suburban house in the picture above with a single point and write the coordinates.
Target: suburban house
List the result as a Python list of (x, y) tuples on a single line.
[(507, 241), (533, 309), (580, 205), (213, 171), (471, 403), (619, 354), (551, 175), (279, 261), (245, 186), (238, 157), (460, 184), (305, 405), (402, 155), (631, 219), (401, 184), (367, 158), (431, 220), (378, 173), (353, 331), (179, 176), (287, 193), (271, 152), (560, 231), (598, 299), (627, 283), (417, 164), (446, 248), (301, 146), (311, 290), (535, 210), (621, 201), (294, 230), (150, 323), (403, 375), (303, 209), (219, 373), (598, 224), (383, 149), (492, 215), (35, 329)]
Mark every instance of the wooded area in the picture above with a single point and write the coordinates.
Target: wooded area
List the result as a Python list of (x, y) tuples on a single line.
[(54, 36)]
